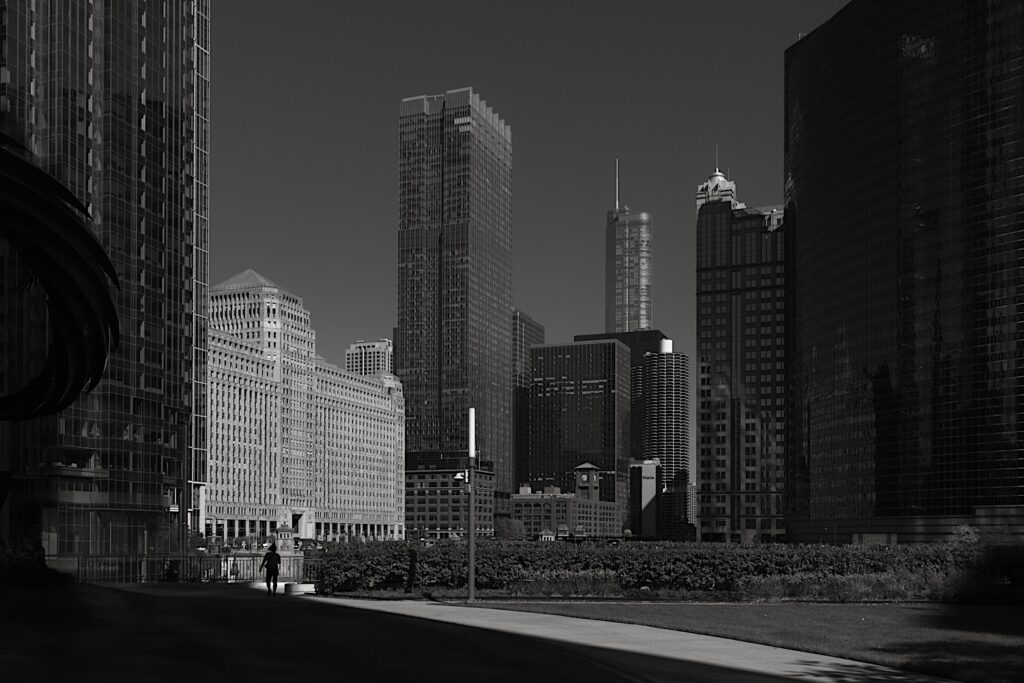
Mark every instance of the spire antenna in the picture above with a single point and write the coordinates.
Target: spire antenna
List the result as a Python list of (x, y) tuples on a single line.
[(616, 183), (716, 157)]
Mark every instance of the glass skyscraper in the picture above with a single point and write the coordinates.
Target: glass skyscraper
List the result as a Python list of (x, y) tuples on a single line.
[(741, 341), (904, 173), (454, 340), (629, 267), (112, 99)]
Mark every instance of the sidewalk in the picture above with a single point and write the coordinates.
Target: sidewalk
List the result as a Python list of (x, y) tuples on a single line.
[(646, 640)]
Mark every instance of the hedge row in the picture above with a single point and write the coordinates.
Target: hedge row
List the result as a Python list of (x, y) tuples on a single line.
[(674, 566)]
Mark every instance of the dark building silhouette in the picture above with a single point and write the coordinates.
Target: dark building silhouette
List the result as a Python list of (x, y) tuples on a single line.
[(579, 413), (741, 342), (526, 333), (112, 99), (629, 267), (453, 348), (904, 172), (639, 343)]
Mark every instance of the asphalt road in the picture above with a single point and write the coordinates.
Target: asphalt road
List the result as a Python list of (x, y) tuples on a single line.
[(186, 632)]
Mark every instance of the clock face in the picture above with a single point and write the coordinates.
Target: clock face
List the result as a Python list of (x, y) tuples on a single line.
[(584, 477)]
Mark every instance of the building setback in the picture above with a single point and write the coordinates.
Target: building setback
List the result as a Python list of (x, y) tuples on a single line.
[(112, 99), (369, 357), (579, 413), (454, 341), (741, 342), (629, 267), (296, 441), (905, 253), (526, 333)]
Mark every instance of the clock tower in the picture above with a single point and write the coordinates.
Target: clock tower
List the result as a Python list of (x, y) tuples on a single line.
[(588, 482)]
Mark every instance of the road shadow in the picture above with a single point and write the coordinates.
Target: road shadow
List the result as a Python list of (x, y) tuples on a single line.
[(157, 632)]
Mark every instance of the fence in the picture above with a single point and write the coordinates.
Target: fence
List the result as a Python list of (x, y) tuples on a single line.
[(191, 568)]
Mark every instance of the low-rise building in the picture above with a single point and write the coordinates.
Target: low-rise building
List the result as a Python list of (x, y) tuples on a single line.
[(437, 502), (579, 514)]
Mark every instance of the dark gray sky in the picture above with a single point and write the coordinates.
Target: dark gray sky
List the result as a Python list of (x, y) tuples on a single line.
[(305, 138)]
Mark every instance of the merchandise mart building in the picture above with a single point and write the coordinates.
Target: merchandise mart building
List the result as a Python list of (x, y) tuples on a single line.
[(119, 115), (296, 441), (904, 169)]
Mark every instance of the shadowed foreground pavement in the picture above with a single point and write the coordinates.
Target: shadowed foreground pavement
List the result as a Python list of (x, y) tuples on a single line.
[(201, 631)]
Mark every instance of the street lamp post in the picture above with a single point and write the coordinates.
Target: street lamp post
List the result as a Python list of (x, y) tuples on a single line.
[(472, 505)]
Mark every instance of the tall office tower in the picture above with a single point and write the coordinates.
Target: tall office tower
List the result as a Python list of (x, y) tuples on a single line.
[(455, 282), (741, 342), (905, 249), (579, 413), (112, 100), (369, 357), (639, 343), (296, 441), (629, 267), (526, 333), (666, 432)]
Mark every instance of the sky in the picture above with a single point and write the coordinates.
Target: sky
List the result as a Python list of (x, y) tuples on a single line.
[(304, 158)]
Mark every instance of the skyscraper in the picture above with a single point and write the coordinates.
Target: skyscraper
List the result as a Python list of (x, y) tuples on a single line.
[(112, 99), (369, 357), (579, 413), (296, 441), (526, 333), (905, 255), (454, 345), (639, 343), (666, 433), (629, 267), (741, 342)]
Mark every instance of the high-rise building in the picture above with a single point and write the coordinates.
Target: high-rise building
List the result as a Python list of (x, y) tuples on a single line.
[(666, 433), (369, 357), (579, 413), (645, 493), (904, 168), (295, 441), (454, 340), (639, 343), (526, 333), (112, 99), (741, 343), (629, 267)]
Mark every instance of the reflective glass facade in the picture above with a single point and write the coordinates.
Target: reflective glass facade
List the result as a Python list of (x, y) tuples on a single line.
[(112, 99), (454, 340), (904, 237), (629, 270)]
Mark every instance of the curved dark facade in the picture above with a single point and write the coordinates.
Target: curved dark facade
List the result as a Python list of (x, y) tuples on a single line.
[(905, 267)]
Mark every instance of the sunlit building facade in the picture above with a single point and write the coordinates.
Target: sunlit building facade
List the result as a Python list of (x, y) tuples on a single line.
[(369, 357), (296, 441), (112, 99), (629, 267)]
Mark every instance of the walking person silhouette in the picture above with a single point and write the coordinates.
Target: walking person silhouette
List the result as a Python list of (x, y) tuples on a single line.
[(272, 561)]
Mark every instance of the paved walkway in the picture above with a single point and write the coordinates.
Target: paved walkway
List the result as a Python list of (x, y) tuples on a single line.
[(646, 640)]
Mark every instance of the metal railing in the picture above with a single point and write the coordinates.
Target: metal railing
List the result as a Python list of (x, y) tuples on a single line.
[(192, 568)]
